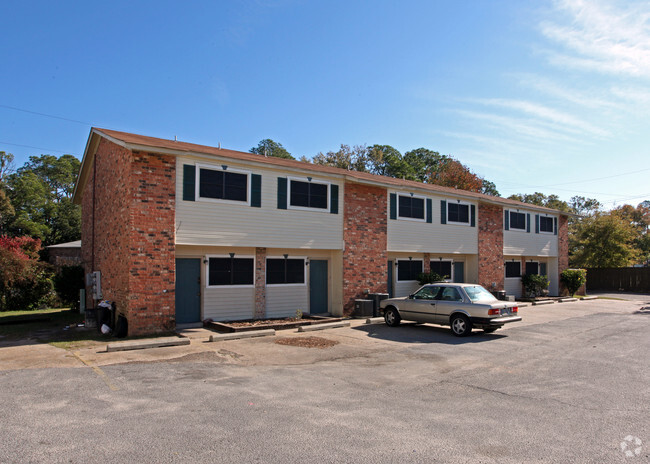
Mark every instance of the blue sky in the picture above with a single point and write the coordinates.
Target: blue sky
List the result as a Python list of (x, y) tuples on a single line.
[(535, 96)]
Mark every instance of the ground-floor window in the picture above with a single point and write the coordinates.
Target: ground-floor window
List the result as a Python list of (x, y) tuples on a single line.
[(442, 268), (408, 270), (224, 271), (285, 271), (513, 269)]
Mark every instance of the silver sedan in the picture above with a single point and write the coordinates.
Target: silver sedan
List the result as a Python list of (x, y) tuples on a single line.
[(460, 306)]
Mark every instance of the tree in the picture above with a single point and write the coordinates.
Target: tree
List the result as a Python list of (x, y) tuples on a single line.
[(6, 166), (268, 147), (604, 240), (489, 188), (385, 160), (539, 199), (351, 158), (573, 279)]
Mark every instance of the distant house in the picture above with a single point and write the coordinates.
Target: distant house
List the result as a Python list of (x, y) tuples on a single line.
[(183, 232), (65, 254)]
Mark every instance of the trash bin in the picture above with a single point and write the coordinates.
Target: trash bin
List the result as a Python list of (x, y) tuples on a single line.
[(376, 300), (90, 316), (105, 315), (363, 308), (499, 294)]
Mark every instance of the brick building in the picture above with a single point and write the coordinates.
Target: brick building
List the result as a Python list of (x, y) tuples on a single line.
[(183, 232)]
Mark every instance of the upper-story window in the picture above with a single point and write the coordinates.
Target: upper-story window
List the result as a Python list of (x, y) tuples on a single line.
[(457, 213), (308, 194), (411, 207), (546, 224), (517, 220), (222, 184)]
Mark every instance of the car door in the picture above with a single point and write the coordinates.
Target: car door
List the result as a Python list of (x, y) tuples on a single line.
[(420, 307), (448, 299)]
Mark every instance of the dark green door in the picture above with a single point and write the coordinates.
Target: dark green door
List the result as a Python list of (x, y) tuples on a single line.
[(317, 286), (188, 290), (390, 279), (459, 271)]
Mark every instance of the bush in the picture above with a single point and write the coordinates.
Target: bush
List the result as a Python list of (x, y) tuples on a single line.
[(429, 278), (68, 282), (573, 279), (535, 284)]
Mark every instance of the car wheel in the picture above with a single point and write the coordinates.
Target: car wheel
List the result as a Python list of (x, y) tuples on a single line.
[(391, 316), (460, 325), (490, 330)]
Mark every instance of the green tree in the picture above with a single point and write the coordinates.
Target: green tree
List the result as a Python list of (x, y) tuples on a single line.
[(268, 147), (385, 160), (604, 240), (351, 158), (539, 199), (489, 188)]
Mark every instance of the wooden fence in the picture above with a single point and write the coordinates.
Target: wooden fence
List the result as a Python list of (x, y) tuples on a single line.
[(626, 279)]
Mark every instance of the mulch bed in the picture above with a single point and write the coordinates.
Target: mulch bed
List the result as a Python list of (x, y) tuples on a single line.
[(256, 324), (307, 342)]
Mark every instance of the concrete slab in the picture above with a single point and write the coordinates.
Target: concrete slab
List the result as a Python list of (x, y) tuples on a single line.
[(330, 325), (238, 335), (147, 343)]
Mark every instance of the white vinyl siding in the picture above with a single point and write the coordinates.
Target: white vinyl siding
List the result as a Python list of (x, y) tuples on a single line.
[(522, 243), (228, 304), (405, 288), (285, 300), (434, 237), (220, 223), (513, 286)]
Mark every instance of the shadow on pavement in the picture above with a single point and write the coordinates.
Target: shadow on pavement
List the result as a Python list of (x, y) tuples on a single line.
[(424, 333)]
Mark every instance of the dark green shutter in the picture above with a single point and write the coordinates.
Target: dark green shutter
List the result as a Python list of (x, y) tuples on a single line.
[(334, 199), (189, 182), (282, 193), (506, 219), (473, 215), (537, 223), (555, 226), (256, 190), (393, 206), (443, 212), (429, 210), (528, 222)]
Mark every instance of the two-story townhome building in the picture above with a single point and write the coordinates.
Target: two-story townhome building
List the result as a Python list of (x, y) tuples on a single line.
[(181, 233)]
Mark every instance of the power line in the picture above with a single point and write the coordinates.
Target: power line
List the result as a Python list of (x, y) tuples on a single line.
[(46, 115), (40, 148)]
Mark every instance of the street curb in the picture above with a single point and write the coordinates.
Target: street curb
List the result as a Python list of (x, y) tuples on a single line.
[(238, 335), (144, 344), (375, 320), (330, 325)]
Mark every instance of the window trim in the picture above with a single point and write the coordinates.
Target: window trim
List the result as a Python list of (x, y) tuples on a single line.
[(207, 271), (213, 167), (516, 229), (397, 279), (304, 266), (469, 213), (424, 209), (307, 208), (552, 232)]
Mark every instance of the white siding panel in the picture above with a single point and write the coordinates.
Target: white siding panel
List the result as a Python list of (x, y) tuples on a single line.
[(405, 288), (228, 304), (231, 224), (513, 286), (285, 300), (405, 235)]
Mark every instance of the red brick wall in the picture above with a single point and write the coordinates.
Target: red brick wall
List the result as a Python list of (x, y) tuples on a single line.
[(562, 249), (260, 283), (129, 234), (365, 238), (490, 246)]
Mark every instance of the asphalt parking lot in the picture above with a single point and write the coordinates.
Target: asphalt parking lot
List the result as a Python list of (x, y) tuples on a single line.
[(570, 383)]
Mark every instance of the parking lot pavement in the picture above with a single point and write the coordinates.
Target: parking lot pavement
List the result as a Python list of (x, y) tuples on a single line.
[(568, 384)]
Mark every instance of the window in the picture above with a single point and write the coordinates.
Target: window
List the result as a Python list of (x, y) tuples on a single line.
[(442, 268), (308, 194), (479, 294), (426, 293), (458, 212), (532, 267), (517, 220), (408, 270), (411, 207), (285, 271), (230, 271), (449, 294), (513, 269), (546, 224), (223, 185)]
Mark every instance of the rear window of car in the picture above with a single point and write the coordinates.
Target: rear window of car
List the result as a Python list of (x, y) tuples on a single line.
[(479, 294)]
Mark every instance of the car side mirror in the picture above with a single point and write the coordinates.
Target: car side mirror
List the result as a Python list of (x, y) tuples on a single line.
[(411, 296)]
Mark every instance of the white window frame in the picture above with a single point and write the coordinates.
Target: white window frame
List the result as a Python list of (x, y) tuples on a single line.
[(308, 181), (214, 167), (514, 229), (397, 279), (469, 212), (401, 218), (552, 232), (304, 261), (207, 271), (445, 260)]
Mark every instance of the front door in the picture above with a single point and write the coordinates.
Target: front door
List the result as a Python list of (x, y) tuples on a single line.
[(188, 290), (459, 271), (318, 286)]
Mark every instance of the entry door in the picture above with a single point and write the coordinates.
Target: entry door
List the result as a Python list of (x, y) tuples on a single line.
[(390, 278), (318, 286), (459, 271), (188, 290)]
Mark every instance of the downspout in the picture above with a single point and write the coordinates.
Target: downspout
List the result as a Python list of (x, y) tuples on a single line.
[(93, 230)]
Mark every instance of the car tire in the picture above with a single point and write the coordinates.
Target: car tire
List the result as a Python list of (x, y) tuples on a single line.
[(490, 330), (392, 318), (460, 325)]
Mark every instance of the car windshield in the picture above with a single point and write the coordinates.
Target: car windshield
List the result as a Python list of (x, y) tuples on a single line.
[(479, 294)]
